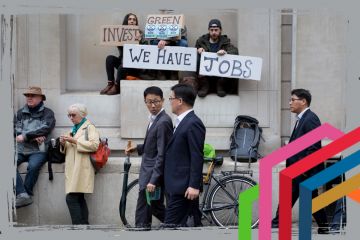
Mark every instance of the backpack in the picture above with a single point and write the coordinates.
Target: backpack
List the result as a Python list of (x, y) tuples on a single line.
[(99, 158), (245, 139), (54, 156)]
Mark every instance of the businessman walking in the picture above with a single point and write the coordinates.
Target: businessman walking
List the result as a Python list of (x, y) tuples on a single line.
[(306, 122), (184, 160), (158, 134)]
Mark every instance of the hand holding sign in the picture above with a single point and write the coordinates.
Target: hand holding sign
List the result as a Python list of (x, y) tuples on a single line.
[(221, 52)]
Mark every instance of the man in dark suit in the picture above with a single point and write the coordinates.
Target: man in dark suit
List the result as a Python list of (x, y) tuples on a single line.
[(158, 134), (306, 121), (184, 160)]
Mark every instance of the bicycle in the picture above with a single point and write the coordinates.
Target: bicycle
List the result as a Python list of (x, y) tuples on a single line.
[(219, 200)]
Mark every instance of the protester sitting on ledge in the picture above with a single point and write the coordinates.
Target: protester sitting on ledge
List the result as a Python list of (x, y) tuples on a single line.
[(215, 42), (33, 124), (112, 62), (182, 42)]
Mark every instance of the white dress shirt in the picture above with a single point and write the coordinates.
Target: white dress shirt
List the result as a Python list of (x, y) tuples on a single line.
[(153, 117), (181, 117)]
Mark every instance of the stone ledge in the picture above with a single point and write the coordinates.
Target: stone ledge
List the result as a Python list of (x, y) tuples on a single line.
[(115, 165)]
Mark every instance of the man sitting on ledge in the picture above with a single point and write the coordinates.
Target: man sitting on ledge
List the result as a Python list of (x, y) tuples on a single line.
[(216, 43), (33, 124)]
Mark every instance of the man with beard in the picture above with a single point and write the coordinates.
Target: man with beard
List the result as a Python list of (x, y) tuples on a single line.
[(220, 44)]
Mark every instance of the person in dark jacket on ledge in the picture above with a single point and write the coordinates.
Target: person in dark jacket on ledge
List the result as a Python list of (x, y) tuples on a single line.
[(214, 42), (33, 124)]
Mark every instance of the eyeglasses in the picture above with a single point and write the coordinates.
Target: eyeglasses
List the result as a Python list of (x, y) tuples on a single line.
[(294, 99), (151, 102), (71, 115), (172, 98)]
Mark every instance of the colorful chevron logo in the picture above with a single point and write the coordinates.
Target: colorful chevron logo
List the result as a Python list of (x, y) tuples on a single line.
[(263, 191)]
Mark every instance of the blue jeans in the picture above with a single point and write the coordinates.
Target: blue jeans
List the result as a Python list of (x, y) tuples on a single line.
[(35, 162)]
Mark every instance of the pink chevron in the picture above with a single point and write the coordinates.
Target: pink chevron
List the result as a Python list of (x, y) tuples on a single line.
[(267, 163), (305, 164)]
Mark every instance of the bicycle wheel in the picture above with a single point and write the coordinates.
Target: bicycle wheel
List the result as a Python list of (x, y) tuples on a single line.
[(131, 200), (223, 200)]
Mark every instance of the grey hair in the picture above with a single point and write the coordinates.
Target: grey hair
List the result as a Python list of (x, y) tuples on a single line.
[(79, 108)]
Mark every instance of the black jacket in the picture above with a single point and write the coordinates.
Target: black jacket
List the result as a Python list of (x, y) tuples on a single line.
[(184, 156), (307, 123)]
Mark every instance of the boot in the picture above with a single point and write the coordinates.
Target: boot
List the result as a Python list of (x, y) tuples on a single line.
[(204, 87), (107, 88), (115, 89), (161, 75), (220, 89)]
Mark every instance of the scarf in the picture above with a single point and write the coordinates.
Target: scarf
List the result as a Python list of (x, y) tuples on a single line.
[(77, 126)]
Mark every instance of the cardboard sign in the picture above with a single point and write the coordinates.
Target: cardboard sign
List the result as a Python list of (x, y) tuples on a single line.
[(164, 26), (230, 66), (166, 19), (118, 35), (151, 57), (162, 31)]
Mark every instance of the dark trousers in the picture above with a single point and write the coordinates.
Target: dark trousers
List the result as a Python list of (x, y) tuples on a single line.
[(181, 212), (230, 85), (320, 216), (35, 162), (113, 63), (144, 212), (78, 208)]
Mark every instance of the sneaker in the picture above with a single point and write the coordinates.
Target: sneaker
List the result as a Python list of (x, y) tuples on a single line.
[(107, 88), (22, 200), (115, 89)]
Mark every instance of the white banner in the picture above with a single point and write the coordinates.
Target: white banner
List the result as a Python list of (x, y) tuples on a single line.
[(230, 66), (151, 57)]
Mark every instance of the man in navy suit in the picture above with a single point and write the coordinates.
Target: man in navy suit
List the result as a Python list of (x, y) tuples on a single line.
[(306, 121), (184, 159), (158, 134)]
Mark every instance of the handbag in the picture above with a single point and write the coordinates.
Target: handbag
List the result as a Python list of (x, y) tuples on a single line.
[(99, 158), (54, 156)]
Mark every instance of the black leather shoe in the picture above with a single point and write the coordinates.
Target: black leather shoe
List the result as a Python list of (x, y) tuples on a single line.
[(274, 223), (323, 230)]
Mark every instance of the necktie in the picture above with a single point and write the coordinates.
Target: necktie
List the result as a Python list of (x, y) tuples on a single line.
[(296, 124)]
